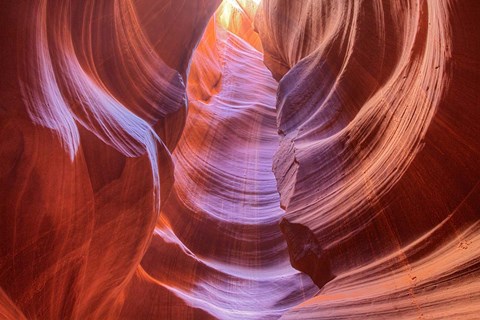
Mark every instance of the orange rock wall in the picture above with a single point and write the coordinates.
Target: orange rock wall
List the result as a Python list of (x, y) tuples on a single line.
[(199, 159), (377, 109)]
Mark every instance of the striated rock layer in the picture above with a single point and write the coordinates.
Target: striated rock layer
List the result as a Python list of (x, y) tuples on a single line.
[(91, 109), (217, 245), (198, 159), (378, 115)]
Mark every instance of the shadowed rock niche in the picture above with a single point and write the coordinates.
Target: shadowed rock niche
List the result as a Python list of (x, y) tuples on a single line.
[(198, 159)]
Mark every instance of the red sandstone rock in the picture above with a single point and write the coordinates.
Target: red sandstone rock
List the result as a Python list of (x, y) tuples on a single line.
[(378, 109), (83, 159), (138, 139)]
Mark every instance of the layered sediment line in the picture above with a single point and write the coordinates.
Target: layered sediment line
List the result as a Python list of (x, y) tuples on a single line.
[(85, 149), (232, 159), (376, 107), (218, 238)]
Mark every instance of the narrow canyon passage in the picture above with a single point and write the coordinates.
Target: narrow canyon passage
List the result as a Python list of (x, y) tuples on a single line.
[(218, 245), (239, 159)]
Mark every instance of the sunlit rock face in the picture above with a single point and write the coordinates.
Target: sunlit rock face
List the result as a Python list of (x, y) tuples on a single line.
[(217, 245), (377, 109), (198, 159), (91, 108)]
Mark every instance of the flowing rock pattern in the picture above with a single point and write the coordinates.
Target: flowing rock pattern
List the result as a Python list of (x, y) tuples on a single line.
[(198, 159), (218, 238), (378, 113), (84, 157)]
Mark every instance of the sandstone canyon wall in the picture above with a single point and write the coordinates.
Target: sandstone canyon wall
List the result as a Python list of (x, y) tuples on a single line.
[(378, 110), (197, 159)]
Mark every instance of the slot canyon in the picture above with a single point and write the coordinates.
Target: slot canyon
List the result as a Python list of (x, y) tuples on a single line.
[(240, 159)]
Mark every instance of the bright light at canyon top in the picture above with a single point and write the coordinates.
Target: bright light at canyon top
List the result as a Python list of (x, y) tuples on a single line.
[(239, 159), (229, 8), (237, 17)]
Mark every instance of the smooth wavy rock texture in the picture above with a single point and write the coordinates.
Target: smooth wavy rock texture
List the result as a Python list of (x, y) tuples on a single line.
[(378, 112), (218, 238), (91, 108), (239, 159)]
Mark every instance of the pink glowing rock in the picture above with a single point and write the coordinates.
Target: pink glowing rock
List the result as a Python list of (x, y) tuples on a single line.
[(85, 163), (232, 159), (377, 114)]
